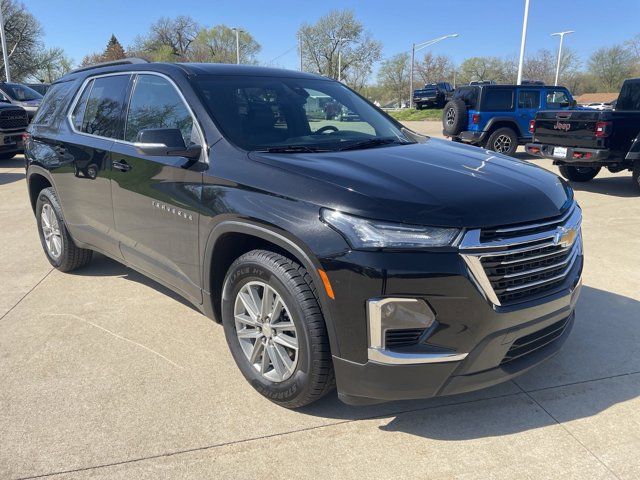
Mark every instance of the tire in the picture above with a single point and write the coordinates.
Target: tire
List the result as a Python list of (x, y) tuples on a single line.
[(309, 375), (454, 117), (7, 156), (579, 174), (65, 255), (636, 174), (503, 140)]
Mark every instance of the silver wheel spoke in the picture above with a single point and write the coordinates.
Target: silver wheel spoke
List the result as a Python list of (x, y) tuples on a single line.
[(258, 348), (286, 341)]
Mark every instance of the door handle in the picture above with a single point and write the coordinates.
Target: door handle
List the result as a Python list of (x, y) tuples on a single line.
[(121, 165)]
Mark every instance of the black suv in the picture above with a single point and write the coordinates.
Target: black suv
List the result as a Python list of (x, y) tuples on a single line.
[(356, 253)]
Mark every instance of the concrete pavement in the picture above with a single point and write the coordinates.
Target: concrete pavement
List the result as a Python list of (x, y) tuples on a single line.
[(106, 374)]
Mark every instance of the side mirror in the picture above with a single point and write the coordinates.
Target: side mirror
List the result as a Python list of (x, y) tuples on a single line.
[(165, 142)]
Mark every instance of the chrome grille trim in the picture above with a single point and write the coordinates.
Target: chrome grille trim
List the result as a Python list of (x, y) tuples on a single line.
[(563, 237)]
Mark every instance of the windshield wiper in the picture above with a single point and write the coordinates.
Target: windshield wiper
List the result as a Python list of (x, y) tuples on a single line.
[(292, 149), (372, 142)]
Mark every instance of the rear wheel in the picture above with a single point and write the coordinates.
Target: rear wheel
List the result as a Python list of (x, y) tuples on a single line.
[(579, 174), (58, 245), (275, 329), (503, 140)]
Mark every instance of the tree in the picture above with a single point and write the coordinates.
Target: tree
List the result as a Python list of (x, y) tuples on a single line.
[(610, 66), (487, 68), (339, 34), (432, 68), (393, 76), (169, 39), (113, 51), (218, 45), (52, 64)]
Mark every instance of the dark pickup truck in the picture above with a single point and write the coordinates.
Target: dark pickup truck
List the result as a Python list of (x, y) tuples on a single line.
[(432, 95), (582, 141)]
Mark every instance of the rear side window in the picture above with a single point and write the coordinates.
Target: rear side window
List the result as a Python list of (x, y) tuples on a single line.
[(529, 99), (498, 99), (155, 103), (557, 99), (55, 97), (100, 107)]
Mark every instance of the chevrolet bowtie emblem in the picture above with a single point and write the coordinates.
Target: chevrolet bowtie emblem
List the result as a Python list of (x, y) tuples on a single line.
[(565, 236)]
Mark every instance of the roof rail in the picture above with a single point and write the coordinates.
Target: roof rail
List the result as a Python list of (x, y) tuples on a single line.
[(124, 61)]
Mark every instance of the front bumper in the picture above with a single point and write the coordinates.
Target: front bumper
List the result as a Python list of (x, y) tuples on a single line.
[(477, 339), (575, 155)]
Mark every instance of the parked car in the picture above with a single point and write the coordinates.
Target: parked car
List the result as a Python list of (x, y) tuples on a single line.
[(371, 259), (599, 106), (432, 95), (41, 88), (21, 96), (496, 117), (13, 124), (582, 141)]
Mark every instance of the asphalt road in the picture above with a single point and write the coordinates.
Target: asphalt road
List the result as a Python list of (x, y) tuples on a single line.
[(106, 374)]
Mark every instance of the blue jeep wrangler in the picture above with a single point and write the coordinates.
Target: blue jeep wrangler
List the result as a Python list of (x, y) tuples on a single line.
[(498, 117)]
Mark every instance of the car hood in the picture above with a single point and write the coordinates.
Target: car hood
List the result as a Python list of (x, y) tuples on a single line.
[(438, 183)]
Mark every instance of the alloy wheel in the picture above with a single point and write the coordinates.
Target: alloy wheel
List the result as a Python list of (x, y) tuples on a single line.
[(51, 231), (450, 117), (266, 332), (502, 144)]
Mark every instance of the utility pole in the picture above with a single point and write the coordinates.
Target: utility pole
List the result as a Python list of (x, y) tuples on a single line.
[(561, 35), (237, 30), (414, 49), (5, 53), (523, 41)]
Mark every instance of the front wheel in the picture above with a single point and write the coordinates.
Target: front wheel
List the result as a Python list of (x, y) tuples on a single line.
[(275, 329), (579, 174)]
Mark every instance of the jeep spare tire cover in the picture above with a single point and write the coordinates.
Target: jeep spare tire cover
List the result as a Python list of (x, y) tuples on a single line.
[(454, 117)]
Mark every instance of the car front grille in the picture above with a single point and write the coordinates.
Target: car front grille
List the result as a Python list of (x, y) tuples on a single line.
[(13, 119), (535, 341), (517, 263)]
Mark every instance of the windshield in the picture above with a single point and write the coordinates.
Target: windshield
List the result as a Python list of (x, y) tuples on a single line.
[(295, 114), (20, 93)]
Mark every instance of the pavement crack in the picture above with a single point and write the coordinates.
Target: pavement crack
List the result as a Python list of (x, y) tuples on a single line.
[(26, 294), (144, 347)]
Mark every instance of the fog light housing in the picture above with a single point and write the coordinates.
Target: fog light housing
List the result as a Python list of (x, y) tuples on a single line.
[(394, 314)]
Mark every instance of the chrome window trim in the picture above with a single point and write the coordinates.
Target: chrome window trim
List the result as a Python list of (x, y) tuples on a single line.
[(134, 74), (376, 351), (472, 251)]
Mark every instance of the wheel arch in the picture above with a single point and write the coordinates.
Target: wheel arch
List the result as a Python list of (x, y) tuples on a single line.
[(37, 179), (501, 122), (230, 239)]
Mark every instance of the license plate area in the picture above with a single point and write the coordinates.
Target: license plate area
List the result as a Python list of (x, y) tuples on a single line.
[(559, 152)]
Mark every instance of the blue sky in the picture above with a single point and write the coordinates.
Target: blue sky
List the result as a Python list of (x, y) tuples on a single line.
[(490, 27)]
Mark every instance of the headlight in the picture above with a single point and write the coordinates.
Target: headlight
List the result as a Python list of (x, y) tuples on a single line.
[(370, 234)]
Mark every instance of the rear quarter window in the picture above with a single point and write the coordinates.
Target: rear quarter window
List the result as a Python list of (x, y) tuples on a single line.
[(498, 100), (52, 103)]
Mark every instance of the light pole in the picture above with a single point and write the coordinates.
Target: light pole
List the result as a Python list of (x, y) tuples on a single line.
[(237, 30), (523, 41), (5, 55), (340, 40), (419, 46), (561, 35)]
